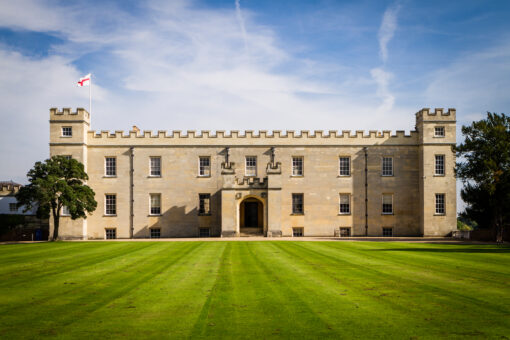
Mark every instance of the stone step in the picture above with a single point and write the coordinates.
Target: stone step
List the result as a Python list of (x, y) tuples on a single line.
[(247, 232)]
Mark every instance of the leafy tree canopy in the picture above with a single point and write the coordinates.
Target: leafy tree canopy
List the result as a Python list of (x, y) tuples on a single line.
[(55, 183), (485, 171)]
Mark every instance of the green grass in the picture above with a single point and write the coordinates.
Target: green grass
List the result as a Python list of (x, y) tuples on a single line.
[(254, 290)]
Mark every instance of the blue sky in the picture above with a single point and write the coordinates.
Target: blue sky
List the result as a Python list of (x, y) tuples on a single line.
[(246, 64)]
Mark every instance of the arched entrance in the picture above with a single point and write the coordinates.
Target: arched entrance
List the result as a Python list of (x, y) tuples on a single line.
[(251, 216)]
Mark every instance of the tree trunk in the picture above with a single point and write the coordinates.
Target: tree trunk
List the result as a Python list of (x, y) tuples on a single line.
[(55, 225)]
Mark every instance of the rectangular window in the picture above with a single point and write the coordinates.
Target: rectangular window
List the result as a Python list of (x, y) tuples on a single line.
[(297, 166), (251, 166), (440, 204), (204, 204), (204, 232), (155, 166), (110, 233), (13, 207), (387, 203), (110, 166), (155, 204), (297, 232), (155, 232), (67, 131), (439, 131), (67, 157), (387, 166), (204, 166), (110, 204), (345, 166), (387, 232), (65, 211), (345, 232), (297, 204), (345, 203), (439, 168)]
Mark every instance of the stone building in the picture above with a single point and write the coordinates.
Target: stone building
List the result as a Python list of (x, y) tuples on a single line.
[(273, 184)]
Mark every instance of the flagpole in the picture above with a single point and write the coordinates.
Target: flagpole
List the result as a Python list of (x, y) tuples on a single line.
[(90, 95)]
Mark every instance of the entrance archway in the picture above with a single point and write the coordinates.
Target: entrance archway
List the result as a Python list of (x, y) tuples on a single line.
[(251, 216)]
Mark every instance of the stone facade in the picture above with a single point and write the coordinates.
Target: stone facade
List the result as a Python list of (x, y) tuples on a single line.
[(275, 184)]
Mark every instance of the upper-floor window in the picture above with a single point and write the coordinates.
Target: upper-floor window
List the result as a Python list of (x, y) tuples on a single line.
[(440, 204), (68, 157), (110, 204), (345, 204), (297, 204), (110, 166), (204, 166), (251, 166), (67, 131), (439, 166), (155, 163), (297, 166), (204, 204), (66, 211), (13, 207), (387, 166), (345, 166), (387, 203), (155, 208), (439, 131)]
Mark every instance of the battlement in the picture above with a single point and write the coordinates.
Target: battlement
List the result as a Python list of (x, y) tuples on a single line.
[(67, 115), (9, 188), (439, 114)]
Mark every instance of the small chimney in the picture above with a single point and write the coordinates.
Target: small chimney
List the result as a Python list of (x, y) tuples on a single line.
[(136, 129)]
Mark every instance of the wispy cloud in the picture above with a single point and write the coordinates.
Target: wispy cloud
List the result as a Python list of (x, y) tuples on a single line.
[(240, 19), (382, 78), (387, 30)]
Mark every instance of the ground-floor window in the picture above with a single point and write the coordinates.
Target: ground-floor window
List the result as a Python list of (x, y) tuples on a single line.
[(110, 233), (204, 232), (387, 232), (345, 232), (155, 232), (297, 231)]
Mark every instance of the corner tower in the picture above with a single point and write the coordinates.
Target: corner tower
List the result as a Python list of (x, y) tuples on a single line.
[(438, 197), (68, 137)]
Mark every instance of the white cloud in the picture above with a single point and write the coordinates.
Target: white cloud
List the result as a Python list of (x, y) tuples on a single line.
[(240, 19), (382, 79), (387, 30)]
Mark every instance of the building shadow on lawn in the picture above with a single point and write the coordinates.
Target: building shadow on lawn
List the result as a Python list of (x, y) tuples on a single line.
[(463, 249)]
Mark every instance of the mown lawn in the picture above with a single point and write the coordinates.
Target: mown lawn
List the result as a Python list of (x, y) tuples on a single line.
[(254, 290)]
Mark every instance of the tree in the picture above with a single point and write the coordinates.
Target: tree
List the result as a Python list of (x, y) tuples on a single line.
[(485, 172), (55, 183)]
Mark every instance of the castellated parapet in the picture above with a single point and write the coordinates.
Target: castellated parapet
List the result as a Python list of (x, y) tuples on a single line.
[(220, 183)]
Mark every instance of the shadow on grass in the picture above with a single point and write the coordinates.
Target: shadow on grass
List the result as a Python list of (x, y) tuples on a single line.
[(500, 249)]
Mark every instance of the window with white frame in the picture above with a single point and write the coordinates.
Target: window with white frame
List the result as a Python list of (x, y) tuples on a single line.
[(155, 232), (65, 211), (155, 163), (345, 203), (387, 203), (387, 232), (439, 168), (110, 166), (439, 131), (68, 157), (387, 166), (297, 204), (155, 208), (251, 166), (110, 204), (204, 204), (440, 204), (13, 207), (110, 233), (204, 166), (297, 166), (67, 131), (345, 166), (297, 232)]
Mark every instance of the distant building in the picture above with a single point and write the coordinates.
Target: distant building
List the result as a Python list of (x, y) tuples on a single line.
[(272, 184), (28, 226)]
